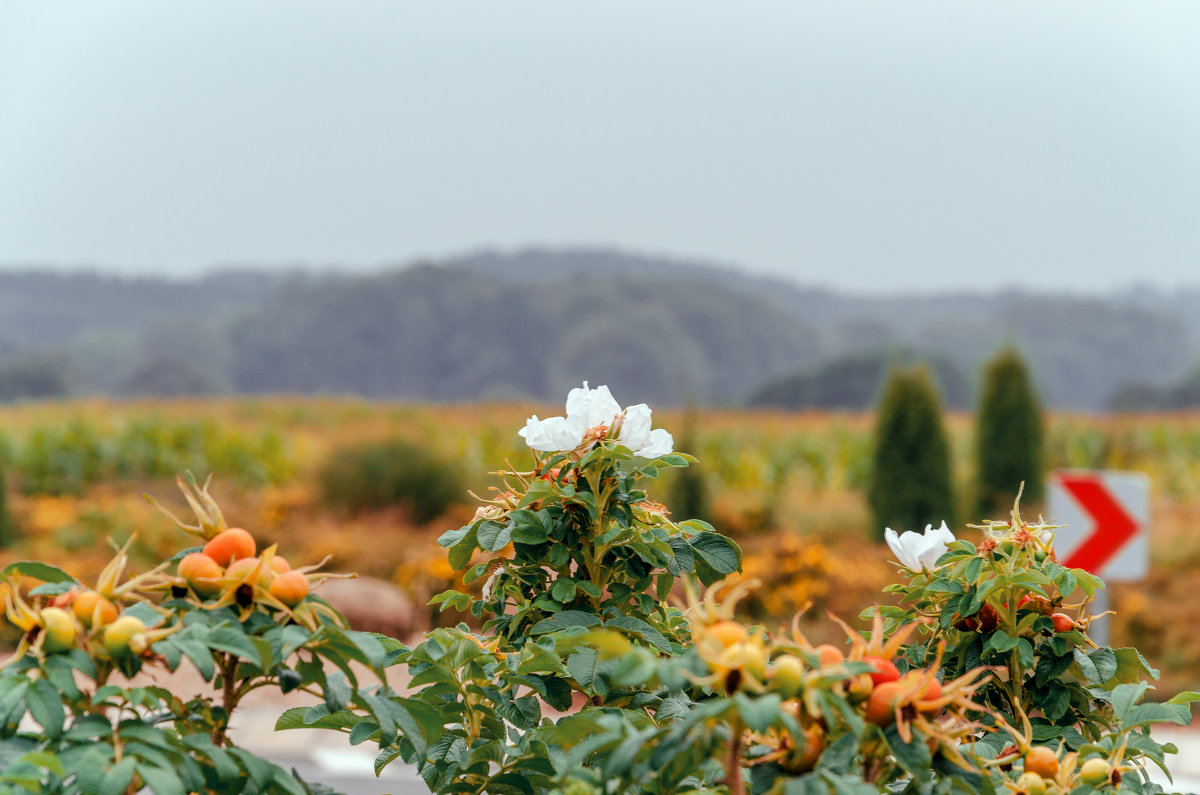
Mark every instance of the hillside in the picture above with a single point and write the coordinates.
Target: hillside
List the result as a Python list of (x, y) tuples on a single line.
[(529, 323)]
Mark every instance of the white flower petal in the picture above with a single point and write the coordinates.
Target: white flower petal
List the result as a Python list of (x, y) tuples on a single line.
[(899, 547), (635, 430), (592, 407), (551, 435), (490, 583), (934, 544), (661, 442)]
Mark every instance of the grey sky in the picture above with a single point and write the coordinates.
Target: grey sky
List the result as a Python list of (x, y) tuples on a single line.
[(873, 145)]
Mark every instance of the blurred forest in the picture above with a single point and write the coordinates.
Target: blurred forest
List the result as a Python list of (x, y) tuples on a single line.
[(530, 324)]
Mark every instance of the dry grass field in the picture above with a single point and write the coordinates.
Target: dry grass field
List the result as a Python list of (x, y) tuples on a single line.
[(788, 487)]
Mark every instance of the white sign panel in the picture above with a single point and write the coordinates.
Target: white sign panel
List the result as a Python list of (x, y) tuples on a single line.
[(1107, 518)]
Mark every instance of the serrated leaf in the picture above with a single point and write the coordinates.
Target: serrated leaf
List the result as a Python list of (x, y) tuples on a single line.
[(232, 640), (719, 553), (564, 620), (460, 553), (1001, 641), (161, 781), (117, 779), (760, 712), (640, 628), (201, 657), (913, 756), (363, 732), (384, 758), (46, 707), (1125, 696), (51, 589), (563, 589), (294, 718), (493, 536), (1144, 714), (145, 613), (337, 693), (39, 571)]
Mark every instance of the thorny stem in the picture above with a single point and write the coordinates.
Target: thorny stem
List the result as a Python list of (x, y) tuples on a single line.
[(733, 764), (229, 697)]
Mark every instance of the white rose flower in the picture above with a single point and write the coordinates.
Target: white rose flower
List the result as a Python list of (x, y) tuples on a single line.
[(592, 407), (661, 442), (551, 434), (589, 408), (919, 551), (635, 430)]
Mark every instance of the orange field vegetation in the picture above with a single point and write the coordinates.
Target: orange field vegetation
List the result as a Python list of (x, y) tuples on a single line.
[(787, 486)]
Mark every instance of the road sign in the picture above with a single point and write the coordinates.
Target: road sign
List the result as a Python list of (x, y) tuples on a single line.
[(1106, 516)]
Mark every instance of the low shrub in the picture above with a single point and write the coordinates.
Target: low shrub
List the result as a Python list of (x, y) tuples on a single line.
[(390, 473)]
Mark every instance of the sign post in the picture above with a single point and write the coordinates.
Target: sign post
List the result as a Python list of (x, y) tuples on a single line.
[(1107, 517)]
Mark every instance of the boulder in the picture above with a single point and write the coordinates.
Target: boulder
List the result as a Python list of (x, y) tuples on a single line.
[(371, 605)]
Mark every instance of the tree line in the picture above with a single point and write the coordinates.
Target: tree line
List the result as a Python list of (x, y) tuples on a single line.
[(530, 324)]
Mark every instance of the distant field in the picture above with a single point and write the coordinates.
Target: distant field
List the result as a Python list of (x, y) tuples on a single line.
[(788, 487)]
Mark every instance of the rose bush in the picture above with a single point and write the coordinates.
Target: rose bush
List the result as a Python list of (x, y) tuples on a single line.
[(608, 657), (71, 721)]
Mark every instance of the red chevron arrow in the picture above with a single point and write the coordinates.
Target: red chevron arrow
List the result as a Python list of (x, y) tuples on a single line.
[(1112, 526)]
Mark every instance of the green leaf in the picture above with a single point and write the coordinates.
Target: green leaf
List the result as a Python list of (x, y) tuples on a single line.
[(369, 646), (563, 589), (419, 722), (385, 757), (451, 538), (39, 571), (586, 668), (1125, 696), (1056, 703), (974, 567), (51, 588), (363, 732), (337, 692), (493, 536), (231, 639), (161, 781), (200, 656), (913, 756), (564, 620), (460, 553), (1088, 667), (147, 614), (1131, 665), (510, 784), (1143, 714), (758, 713), (721, 554), (294, 718), (1025, 652), (118, 777), (1105, 661), (641, 629), (1001, 642), (1184, 701), (529, 527), (46, 707)]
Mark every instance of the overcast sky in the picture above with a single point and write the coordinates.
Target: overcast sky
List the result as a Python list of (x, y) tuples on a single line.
[(881, 145)]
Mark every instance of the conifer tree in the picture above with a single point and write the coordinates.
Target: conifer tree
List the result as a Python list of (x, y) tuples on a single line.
[(6, 527), (689, 492), (1008, 437), (911, 483)]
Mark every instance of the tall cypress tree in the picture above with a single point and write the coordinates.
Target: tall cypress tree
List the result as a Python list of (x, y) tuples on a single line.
[(689, 490), (911, 483), (1008, 437), (6, 527)]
